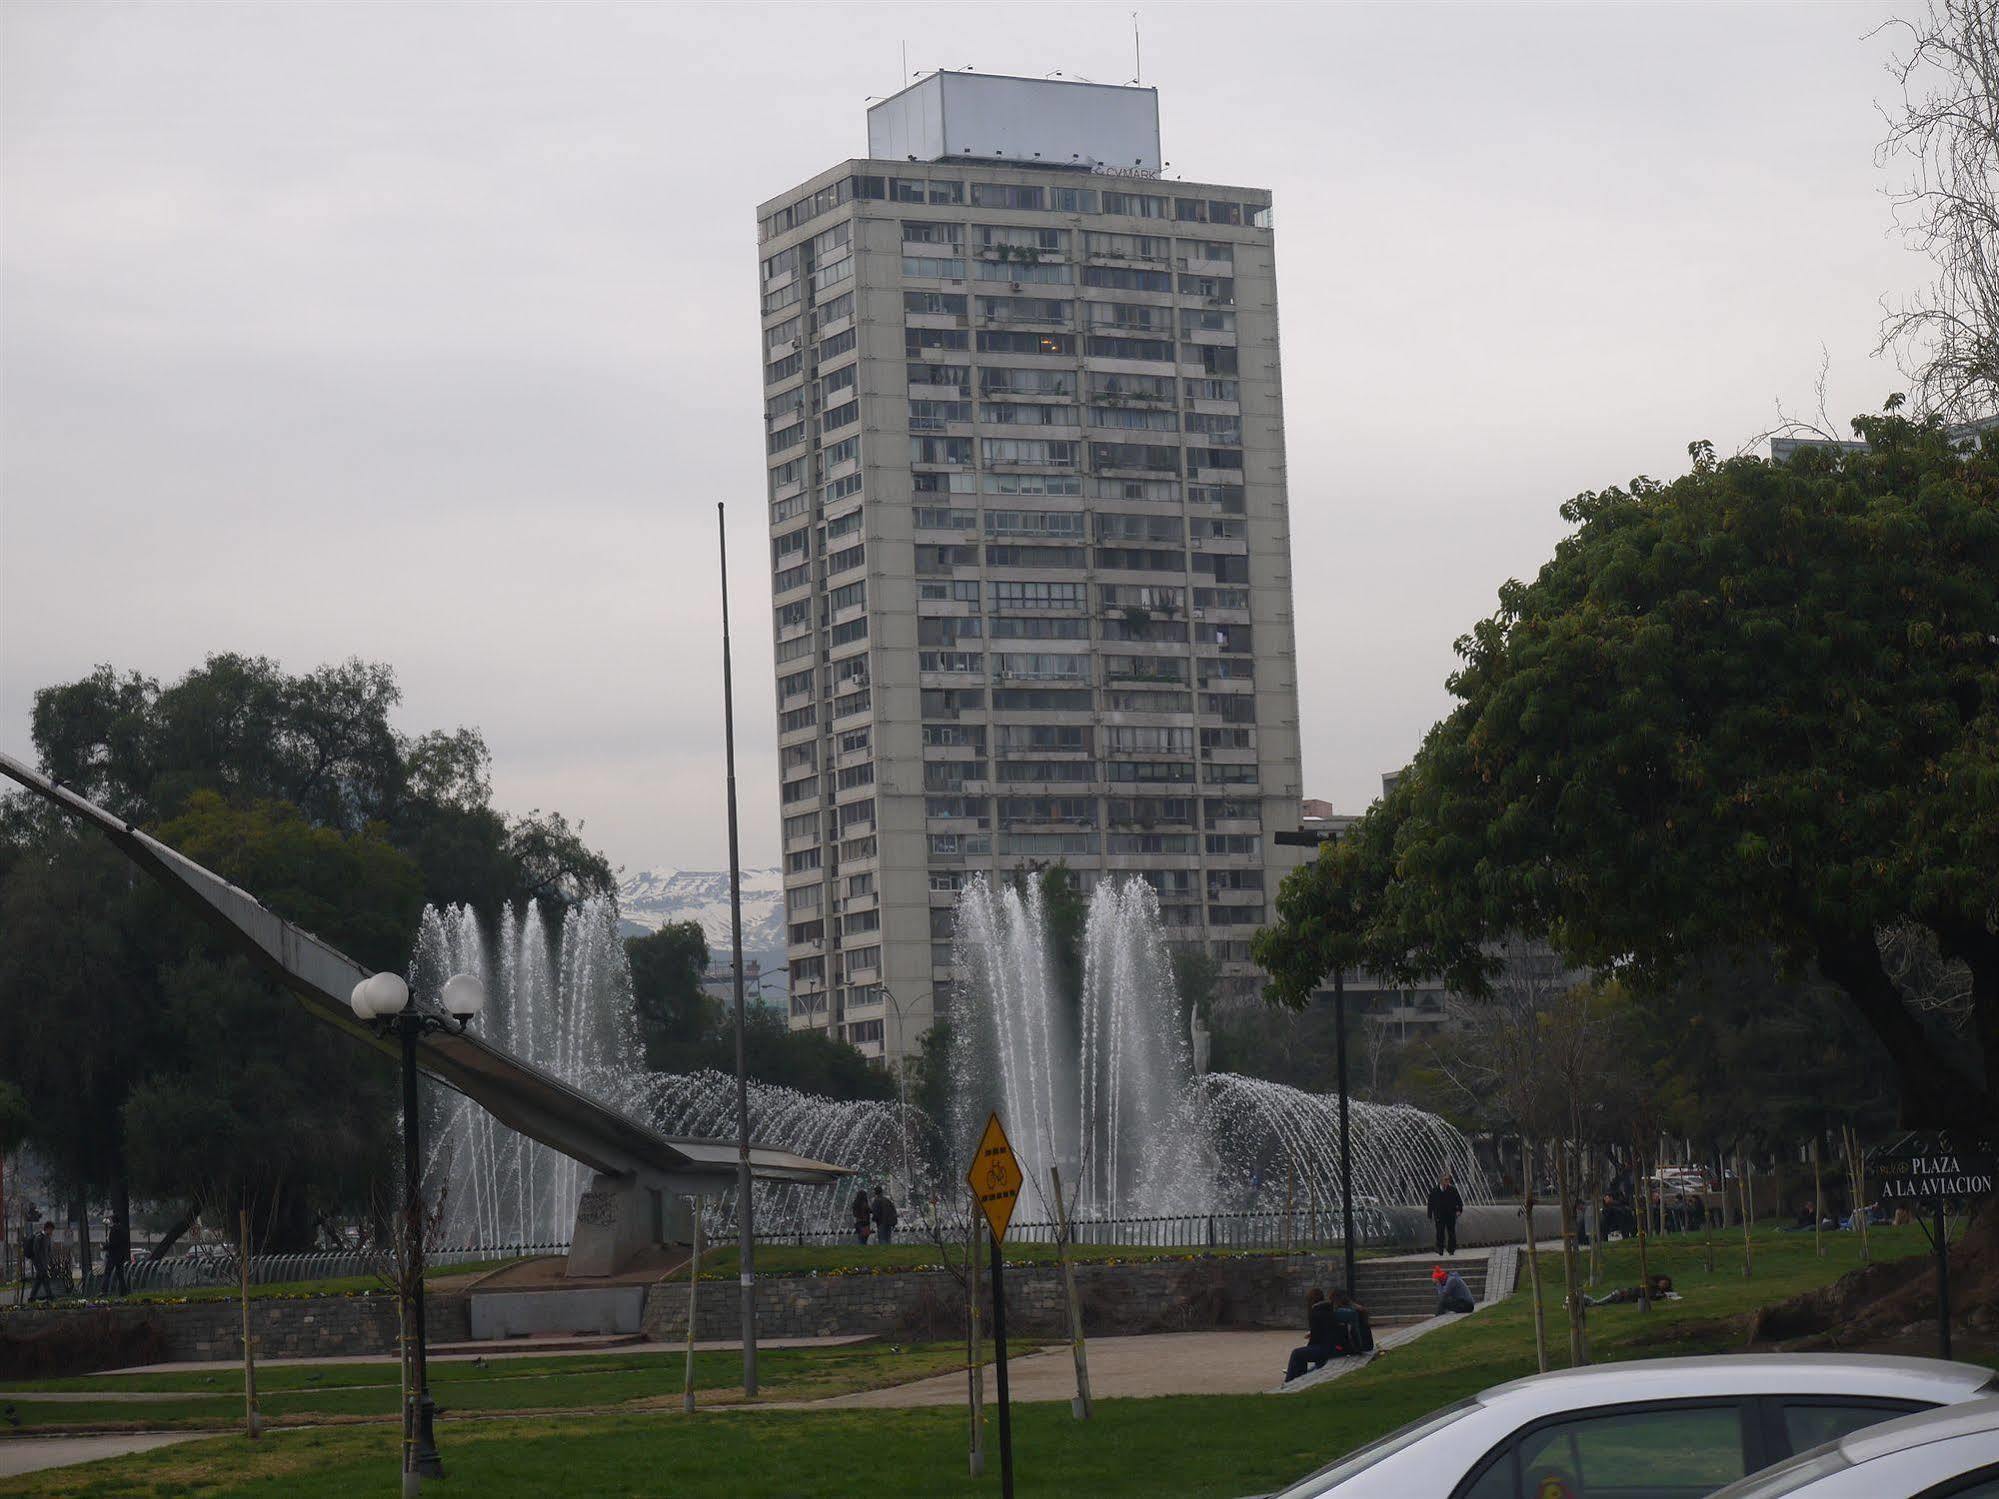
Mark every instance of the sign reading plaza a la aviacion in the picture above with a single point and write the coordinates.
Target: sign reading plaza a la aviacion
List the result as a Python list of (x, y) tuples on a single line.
[(1924, 1168)]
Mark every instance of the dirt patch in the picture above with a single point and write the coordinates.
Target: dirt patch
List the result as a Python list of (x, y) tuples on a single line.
[(1879, 1306)]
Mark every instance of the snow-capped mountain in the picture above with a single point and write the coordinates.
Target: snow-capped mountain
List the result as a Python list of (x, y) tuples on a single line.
[(653, 897)]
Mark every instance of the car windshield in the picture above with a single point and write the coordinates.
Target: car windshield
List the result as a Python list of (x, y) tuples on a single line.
[(1334, 1474)]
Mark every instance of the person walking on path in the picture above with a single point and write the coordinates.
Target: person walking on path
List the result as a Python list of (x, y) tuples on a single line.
[(1445, 1205), (1322, 1333), (885, 1215), (1453, 1295), (861, 1215), (41, 1256)]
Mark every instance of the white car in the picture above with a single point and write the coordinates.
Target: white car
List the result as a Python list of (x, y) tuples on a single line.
[(1669, 1428), (1952, 1452)]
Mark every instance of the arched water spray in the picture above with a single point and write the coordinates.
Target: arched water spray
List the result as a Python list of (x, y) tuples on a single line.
[(562, 999), (864, 1135), (1104, 1088)]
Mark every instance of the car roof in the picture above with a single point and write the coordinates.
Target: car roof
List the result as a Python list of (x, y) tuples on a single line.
[(1973, 1418), (1884, 1375)]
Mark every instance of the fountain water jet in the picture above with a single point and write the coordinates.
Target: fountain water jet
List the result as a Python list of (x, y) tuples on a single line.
[(1101, 1083), (563, 1001)]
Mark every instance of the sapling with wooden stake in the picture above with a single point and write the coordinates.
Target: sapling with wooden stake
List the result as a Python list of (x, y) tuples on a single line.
[(253, 1420), (693, 1290), (1742, 1192), (975, 1350), (1644, 1214), (1534, 1267), (1081, 1406), (1818, 1202)]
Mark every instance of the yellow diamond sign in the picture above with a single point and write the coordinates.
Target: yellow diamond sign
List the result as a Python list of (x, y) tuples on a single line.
[(995, 1177)]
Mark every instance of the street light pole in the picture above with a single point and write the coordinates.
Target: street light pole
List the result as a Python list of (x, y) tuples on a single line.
[(746, 1243), (383, 1001), (1346, 1142), (902, 1090)]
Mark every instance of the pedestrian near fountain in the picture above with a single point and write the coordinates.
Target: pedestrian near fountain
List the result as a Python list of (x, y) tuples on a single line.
[(1357, 1327), (861, 1215), (1453, 1295), (41, 1255), (885, 1215), (1445, 1205), (1322, 1336)]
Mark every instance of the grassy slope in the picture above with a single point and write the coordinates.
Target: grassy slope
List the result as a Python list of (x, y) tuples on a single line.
[(603, 1382), (1210, 1446)]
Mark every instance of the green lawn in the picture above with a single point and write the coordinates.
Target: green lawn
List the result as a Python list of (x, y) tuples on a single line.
[(601, 1382), (1210, 1446)]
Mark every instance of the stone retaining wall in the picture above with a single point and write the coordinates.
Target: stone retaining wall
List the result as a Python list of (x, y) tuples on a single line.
[(306, 1327), (1138, 1297)]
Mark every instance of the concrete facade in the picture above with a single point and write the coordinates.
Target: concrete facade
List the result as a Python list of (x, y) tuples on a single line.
[(1030, 559)]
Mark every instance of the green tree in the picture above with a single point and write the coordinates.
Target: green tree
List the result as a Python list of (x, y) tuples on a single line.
[(148, 1053), (1753, 709), (14, 1118), (678, 1020)]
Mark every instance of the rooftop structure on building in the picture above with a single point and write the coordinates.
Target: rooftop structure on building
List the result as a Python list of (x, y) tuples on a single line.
[(1030, 548)]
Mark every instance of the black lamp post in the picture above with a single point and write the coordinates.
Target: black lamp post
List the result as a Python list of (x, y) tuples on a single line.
[(384, 1003), (1315, 838)]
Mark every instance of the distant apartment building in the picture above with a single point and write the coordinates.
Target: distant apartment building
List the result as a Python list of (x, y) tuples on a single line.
[(1029, 540)]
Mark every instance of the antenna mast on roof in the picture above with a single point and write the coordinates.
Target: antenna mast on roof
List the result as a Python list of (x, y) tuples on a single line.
[(1137, 63), (903, 82)]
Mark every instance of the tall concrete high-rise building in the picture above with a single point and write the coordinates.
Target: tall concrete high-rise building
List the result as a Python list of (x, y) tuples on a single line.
[(1029, 537)]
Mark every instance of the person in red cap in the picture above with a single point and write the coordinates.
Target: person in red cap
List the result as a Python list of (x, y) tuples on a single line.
[(1453, 1295)]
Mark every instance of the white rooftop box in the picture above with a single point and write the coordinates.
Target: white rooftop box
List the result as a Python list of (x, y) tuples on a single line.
[(988, 117)]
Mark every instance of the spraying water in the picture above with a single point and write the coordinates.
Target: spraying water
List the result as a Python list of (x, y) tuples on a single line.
[(1100, 1084), (560, 996)]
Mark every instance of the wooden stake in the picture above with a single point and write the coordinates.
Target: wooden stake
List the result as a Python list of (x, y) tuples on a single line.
[(1081, 1408), (1742, 1192), (1644, 1222), (1856, 1175), (1290, 1189), (974, 1362), (253, 1421), (1534, 1278), (693, 1290), (1818, 1201)]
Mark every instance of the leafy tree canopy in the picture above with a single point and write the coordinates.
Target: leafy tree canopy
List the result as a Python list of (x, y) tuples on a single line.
[(1755, 708), (686, 1029), (149, 1054)]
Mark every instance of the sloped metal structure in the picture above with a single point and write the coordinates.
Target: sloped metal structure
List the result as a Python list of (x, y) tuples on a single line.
[(518, 1094)]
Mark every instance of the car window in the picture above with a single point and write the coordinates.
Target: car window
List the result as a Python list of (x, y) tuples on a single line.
[(1984, 1484), (1811, 1423), (1675, 1452)]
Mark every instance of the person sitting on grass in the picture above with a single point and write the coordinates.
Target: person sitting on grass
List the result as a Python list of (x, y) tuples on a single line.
[(1453, 1295), (1321, 1336)]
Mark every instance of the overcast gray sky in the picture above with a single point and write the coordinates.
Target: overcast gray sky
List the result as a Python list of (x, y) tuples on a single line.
[(426, 333)]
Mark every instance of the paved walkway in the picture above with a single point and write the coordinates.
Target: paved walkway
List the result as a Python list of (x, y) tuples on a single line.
[(725, 1345), (32, 1454), (1168, 1363)]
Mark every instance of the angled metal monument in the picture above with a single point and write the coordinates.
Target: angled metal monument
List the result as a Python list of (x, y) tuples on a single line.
[(637, 1168)]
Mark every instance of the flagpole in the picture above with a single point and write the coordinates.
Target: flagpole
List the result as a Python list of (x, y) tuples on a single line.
[(745, 1228)]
